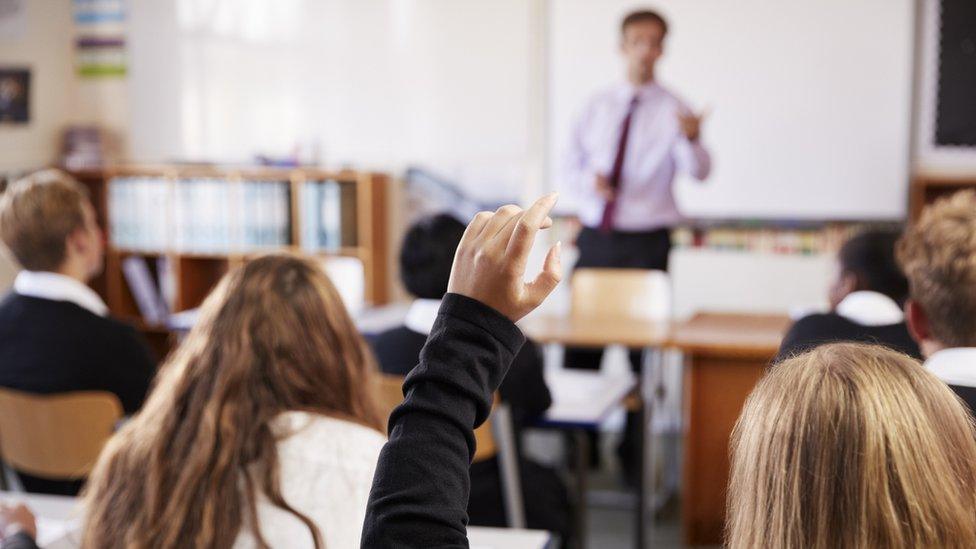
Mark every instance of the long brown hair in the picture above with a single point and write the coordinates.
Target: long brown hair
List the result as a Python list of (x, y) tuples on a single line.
[(852, 446), (185, 472)]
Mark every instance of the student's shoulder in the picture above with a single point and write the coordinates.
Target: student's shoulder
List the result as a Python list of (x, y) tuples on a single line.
[(37, 312), (397, 349), (311, 437), (819, 321)]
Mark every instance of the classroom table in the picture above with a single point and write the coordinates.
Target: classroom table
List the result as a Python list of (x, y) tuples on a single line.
[(58, 525), (725, 355), (598, 332), (581, 402)]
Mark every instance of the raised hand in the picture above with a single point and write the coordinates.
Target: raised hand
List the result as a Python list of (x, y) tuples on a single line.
[(690, 124), (489, 264), (604, 189)]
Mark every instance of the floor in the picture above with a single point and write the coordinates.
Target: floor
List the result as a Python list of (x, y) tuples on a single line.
[(610, 507)]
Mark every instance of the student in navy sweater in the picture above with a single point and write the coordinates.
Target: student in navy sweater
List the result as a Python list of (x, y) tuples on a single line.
[(55, 333), (866, 300), (938, 254), (425, 266)]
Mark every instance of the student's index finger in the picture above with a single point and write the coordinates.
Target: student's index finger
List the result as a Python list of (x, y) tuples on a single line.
[(533, 219)]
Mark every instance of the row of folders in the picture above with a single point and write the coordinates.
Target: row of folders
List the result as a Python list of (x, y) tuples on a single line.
[(210, 215)]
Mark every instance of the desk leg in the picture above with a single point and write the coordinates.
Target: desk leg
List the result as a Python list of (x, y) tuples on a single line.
[(716, 387), (581, 442), (646, 488), (640, 523)]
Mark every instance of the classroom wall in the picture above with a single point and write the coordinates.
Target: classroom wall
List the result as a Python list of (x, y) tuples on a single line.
[(46, 48), (373, 83)]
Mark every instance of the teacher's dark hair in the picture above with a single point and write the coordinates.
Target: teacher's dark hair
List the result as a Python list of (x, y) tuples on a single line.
[(643, 16), (428, 253)]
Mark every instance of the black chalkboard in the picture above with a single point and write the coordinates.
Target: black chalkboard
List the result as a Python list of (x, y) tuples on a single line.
[(955, 122)]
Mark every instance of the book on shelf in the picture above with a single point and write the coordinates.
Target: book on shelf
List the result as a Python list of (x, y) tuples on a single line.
[(198, 215), (328, 216), (147, 296)]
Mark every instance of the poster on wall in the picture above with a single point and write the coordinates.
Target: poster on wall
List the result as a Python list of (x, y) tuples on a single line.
[(100, 38), (14, 95), (13, 19)]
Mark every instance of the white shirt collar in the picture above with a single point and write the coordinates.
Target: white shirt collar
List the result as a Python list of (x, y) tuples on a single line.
[(870, 309), (421, 315), (626, 91), (954, 366), (58, 287)]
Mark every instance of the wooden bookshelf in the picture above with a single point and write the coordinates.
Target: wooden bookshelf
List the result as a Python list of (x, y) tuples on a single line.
[(195, 273), (927, 187)]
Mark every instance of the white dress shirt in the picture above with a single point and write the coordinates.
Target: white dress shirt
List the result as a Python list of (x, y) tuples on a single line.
[(870, 309), (421, 315), (956, 366), (656, 150), (58, 287)]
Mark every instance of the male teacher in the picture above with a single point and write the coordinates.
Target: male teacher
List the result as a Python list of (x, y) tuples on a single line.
[(626, 148)]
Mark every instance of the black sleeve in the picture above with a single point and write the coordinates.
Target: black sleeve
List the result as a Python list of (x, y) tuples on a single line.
[(525, 386), (420, 490), (19, 541), (132, 371)]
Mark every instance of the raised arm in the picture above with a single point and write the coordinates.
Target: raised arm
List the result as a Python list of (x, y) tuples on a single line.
[(420, 491), (690, 154)]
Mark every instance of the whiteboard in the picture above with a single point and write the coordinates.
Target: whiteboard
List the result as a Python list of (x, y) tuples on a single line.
[(810, 99)]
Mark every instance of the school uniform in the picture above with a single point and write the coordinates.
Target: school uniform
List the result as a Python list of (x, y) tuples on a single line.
[(524, 389), (56, 337), (421, 487), (864, 316), (326, 468), (957, 368)]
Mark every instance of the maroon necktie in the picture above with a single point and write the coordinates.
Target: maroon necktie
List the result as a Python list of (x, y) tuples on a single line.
[(606, 224)]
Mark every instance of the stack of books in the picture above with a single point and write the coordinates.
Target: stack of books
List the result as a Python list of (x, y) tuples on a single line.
[(199, 215)]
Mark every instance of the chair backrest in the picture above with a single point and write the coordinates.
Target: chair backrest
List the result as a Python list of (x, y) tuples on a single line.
[(390, 395), (628, 293), (56, 436)]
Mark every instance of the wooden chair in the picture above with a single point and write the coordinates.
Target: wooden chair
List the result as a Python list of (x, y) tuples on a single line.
[(56, 436), (391, 395), (621, 293), (645, 295), (494, 438)]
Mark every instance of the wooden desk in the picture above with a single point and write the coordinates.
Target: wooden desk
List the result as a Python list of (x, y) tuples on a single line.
[(596, 331), (58, 525), (726, 355), (481, 537)]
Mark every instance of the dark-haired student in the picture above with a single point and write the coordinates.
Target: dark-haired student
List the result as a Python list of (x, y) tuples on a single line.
[(420, 490), (867, 298), (425, 267), (55, 333), (938, 254)]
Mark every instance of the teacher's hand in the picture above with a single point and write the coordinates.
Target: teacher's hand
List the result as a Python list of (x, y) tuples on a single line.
[(691, 124), (490, 261), (604, 189)]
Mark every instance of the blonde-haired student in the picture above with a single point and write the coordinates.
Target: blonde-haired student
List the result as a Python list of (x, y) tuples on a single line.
[(856, 446), (55, 332), (938, 254)]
